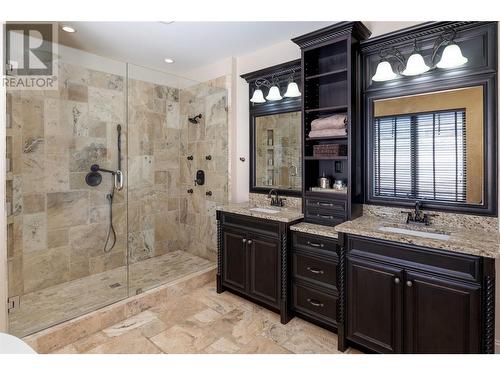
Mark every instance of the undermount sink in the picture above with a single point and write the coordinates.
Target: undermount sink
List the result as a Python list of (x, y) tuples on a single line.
[(266, 210), (417, 233)]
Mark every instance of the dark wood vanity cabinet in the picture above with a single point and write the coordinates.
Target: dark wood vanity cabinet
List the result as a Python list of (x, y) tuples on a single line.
[(252, 260), (406, 299)]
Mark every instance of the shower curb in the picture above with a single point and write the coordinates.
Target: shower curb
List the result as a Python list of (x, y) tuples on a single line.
[(66, 333)]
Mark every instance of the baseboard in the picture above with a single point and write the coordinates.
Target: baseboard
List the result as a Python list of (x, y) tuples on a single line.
[(497, 346)]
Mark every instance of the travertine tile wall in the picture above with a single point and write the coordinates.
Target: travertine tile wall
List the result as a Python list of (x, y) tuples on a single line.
[(207, 138), (59, 223), (153, 172)]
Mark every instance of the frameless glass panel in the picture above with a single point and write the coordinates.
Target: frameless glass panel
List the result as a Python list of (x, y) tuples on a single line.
[(176, 128), (64, 259)]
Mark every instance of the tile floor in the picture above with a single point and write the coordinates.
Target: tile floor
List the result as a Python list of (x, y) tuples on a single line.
[(206, 322), (58, 303)]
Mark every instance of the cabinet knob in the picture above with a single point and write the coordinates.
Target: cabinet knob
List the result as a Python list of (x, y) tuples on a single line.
[(409, 284), (396, 280), (244, 240), (249, 242)]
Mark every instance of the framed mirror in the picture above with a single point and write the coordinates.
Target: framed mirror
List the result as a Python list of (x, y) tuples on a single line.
[(275, 132), (435, 147)]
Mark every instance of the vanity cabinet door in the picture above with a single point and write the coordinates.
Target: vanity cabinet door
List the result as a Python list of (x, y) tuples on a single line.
[(374, 305), (234, 254), (441, 316), (264, 269)]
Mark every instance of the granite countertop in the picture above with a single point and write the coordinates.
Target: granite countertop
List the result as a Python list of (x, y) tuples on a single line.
[(319, 230), (474, 242), (284, 214)]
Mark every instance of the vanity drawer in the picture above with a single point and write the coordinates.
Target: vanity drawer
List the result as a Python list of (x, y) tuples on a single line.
[(315, 303), (333, 205), (324, 216), (315, 269), (248, 223), (313, 242)]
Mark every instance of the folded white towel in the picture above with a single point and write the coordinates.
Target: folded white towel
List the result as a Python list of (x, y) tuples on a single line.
[(327, 133), (330, 122)]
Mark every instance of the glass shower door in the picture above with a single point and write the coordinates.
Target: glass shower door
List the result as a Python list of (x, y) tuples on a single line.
[(58, 265)]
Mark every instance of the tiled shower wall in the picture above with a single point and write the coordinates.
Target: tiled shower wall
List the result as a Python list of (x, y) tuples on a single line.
[(58, 222), (207, 142)]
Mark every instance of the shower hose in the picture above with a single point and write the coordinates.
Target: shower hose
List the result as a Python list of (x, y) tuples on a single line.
[(111, 229)]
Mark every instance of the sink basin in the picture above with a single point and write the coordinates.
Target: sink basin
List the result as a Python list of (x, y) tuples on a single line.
[(417, 233), (265, 210)]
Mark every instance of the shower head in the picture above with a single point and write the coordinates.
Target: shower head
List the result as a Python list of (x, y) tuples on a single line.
[(195, 119)]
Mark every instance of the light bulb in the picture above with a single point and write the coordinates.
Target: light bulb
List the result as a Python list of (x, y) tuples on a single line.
[(384, 72), (415, 65), (258, 96), (292, 91), (452, 57), (274, 94)]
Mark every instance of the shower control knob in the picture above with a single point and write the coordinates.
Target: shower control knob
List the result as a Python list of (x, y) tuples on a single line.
[(208, 157), (208, 193), (190, 157), (190, 191)]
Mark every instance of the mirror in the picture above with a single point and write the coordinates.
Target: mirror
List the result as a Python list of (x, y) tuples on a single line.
[(429, 147), (278, 151)]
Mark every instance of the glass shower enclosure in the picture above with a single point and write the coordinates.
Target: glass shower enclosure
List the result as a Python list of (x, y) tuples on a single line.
[(63, 148)]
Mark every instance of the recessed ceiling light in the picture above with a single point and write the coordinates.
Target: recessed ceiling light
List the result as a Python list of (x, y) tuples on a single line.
[(168, 60), (69, 29)]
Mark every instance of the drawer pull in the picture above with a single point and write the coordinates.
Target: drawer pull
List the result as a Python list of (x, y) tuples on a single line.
[(325, 216), (317, 271), (315, 302), (314, 244), (324, 204)]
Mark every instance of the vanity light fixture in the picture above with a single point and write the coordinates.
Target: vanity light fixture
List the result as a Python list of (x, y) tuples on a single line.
[(292, 90), (452, 57), (274, 93), (384, 72), (415, 65), (68, 29), (258, 96)]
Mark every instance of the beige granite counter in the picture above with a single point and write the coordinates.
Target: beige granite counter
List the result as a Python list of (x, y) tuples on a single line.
[(285, 215), (319, 230), (474, 242)]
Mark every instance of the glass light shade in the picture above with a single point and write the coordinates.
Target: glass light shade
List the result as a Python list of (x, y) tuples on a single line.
[(292, 91), (384, 72), (415, 65), (452, 57), (258, 97), (274, 93)]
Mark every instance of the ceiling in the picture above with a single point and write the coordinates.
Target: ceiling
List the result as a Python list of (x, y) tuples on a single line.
[(191, 44)]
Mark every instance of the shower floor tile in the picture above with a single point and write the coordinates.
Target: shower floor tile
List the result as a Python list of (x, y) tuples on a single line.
[(53, 305)]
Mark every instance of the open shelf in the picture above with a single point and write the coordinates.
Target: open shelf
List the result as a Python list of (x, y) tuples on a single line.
[(331, 138), (332, 73), (325, 157), (331, 109)]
